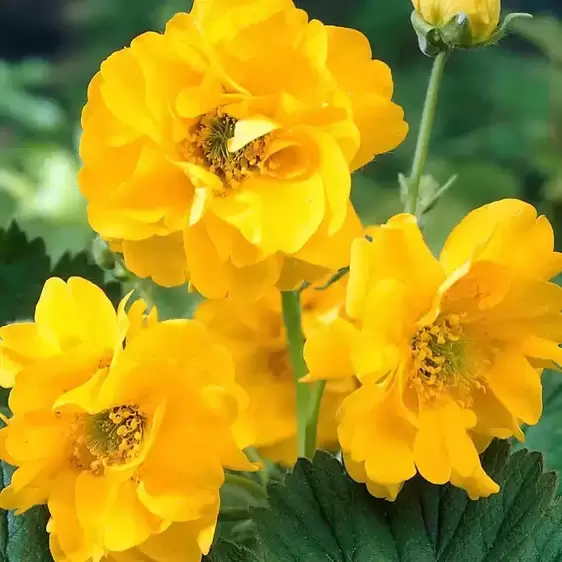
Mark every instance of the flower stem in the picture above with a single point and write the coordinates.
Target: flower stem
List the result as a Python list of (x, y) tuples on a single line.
[(257, 490), (290, 301), (312, 420), (424, 134)]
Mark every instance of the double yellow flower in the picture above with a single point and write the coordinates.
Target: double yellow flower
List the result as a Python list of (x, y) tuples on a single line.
[(220, 151)]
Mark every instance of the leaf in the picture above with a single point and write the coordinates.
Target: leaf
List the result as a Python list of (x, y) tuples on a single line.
[(226, 551), (546, 436), (545, 544), (24, 268), (321, 514), (23, 538)]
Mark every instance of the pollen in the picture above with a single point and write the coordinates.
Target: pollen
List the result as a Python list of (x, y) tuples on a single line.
[(114, 436), (439, 361), (207, 145)]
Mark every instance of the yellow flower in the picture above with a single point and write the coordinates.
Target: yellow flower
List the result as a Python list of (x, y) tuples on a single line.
[(255, 336), (449, 351), (483, 15), (75, 328), (125, 441), (220, 151)]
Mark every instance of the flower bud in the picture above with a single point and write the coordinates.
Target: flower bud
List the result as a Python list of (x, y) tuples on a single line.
[(482, 16)]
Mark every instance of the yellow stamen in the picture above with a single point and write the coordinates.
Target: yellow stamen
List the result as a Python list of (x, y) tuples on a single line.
[(439, 363), (207, 145), (114, 436)]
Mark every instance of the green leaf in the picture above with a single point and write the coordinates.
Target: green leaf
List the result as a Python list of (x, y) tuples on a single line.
[(23, 538), (321, 514), (24, 268), (226, 551), (546, 436), (546, 542)]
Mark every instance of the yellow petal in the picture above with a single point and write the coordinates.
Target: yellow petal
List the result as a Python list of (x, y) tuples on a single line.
[(160, 257), (181, 542), (20, 345), (362, 257), (122, 89), (337, 180), (327, 351), (332, 252), (372, 429), (64, 525), (76, 311), (489, 233), (478, 484), (248, 130), (273, 214), (442, 442), (93, 496), (516, 385), (127, 522), (493, 418)]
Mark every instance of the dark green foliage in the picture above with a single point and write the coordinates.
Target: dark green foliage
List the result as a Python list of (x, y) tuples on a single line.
[(226, 551), (321, 514), (546, 435), (24, 268)]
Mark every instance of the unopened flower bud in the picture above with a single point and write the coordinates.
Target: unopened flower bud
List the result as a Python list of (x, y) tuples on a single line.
[(482, 17)]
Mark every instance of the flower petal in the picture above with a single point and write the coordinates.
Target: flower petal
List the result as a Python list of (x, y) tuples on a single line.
[(160, 257), (517, 385), (273, 214)]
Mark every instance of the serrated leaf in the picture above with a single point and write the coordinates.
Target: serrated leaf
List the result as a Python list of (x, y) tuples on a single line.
[(23, 538), (83, 265), (226, 551), (545, 544), (321, 514), (24, 268), (546, 436)]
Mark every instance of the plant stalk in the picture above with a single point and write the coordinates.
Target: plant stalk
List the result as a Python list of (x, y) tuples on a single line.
[(292, 318), (312, 420), (257, 490), (424, 134)]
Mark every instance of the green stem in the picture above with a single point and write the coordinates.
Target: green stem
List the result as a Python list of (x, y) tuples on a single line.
[(292, 318), (257, 490), (424, 134), (312, 420), (254, 456)]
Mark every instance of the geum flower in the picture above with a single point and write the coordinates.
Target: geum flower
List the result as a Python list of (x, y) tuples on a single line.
[(449, 351), (220, 151), (129, 458), (255, 335)]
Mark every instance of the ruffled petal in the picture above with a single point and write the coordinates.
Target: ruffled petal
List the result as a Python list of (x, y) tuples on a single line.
[(273, 214), (516, 385), (160, 257)]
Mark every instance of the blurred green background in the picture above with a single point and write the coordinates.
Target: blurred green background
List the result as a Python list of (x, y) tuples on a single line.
[(499, 124)]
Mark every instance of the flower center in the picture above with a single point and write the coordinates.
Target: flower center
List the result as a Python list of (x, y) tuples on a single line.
[(438, 360), (207, 146), (111, 437)]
